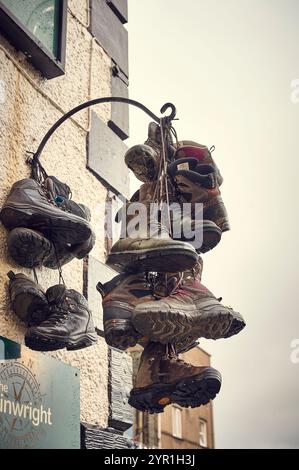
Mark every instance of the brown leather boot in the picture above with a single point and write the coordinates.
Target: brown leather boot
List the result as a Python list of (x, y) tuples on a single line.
[(191, 149), (150, 248), (163, 378), (194, 191), (190, 310), (120, 297)]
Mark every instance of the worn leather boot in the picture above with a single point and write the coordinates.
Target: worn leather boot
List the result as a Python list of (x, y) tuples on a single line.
[(69, 324), (144, 160), (195, 189), (120, 297), (32, 206), (151, 249), (28, 300), (191, 149), (196, 186), (163, 378), (190, 310), (29, 248)]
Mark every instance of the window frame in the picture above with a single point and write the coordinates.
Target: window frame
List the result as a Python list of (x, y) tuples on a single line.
[(203, 421), (175, 409), (24, 40)]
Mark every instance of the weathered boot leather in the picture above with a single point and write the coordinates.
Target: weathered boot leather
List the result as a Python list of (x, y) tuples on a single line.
[(163, 378)]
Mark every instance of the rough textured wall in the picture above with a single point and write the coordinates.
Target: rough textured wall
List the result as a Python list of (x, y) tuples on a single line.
[(31, 105)]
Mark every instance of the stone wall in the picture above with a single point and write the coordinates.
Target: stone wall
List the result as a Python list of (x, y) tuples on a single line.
[(30, 104)]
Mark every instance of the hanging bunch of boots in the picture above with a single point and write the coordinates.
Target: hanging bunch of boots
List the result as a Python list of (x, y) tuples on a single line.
[(158, 299), (47, 228), (58, 318)]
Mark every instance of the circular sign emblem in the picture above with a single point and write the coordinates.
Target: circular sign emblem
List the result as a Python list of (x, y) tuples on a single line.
[(20, 397)]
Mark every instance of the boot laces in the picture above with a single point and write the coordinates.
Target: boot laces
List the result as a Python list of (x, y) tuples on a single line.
[(173, 356), (58, 313)]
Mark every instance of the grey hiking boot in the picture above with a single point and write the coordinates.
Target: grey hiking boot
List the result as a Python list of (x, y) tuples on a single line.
[(30, 248), (190, 310), (151, 249), (69, 324), (163, 378), (28, 300), (30, 205)]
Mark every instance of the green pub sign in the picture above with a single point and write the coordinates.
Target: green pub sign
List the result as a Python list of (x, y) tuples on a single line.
[(39, 400)]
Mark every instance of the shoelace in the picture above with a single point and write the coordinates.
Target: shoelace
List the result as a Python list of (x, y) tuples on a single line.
[(58, 314)]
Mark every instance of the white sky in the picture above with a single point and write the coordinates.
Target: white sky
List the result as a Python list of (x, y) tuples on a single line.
[(227, 65)]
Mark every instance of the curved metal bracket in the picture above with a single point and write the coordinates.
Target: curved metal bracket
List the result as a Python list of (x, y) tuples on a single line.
[(167, 119)]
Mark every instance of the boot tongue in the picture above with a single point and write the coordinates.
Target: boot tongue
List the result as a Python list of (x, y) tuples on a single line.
[(55, 294), (58, 191)]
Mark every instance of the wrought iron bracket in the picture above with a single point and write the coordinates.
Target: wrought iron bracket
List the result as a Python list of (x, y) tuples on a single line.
[(165, 119)]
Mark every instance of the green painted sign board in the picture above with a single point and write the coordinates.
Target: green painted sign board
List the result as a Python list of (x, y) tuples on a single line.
[(39, 400)]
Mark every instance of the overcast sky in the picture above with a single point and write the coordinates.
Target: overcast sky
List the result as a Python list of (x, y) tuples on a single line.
[(228, 66)]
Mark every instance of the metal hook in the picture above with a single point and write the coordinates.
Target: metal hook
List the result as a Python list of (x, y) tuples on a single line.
[(172, 115)]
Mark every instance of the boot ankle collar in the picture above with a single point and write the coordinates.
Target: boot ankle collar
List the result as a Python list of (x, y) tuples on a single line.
[(104, 289)]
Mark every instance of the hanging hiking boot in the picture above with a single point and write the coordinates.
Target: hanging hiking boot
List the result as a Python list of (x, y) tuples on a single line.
[(144, 160), (191, 309), (162, 379), (190, 149), (185, 225), (30, 248), (69, 324), (192, 189), (120, 297), (28, 300), (31, 206), (198, 190), (60, 194), (151, 248)]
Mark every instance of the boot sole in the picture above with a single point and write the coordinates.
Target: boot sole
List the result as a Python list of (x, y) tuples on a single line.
[(44, 343), (120, 334), (173, 325), (28, 249), (59, 229), (137, 164), (190, 392), (216, 212), (154, 260), (237, 325), (211, 237)]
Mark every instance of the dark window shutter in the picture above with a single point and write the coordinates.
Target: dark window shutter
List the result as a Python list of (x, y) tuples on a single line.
[(97, 271), (106, 157), (120, 8), (119, 121), (110, 33)]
